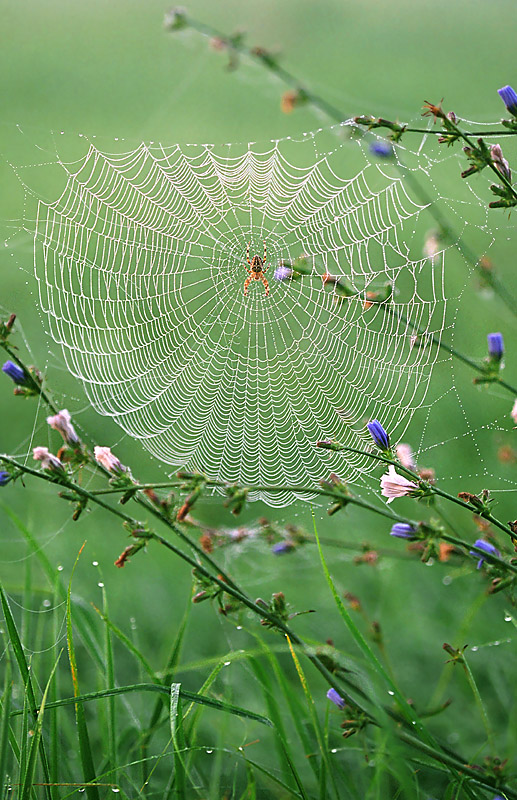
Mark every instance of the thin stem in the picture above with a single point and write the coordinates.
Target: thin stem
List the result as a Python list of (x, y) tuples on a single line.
[(441, 345), (479, 702), (409, 129), (33, 383)]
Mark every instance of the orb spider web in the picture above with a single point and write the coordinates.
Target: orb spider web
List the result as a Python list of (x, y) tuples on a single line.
[(141, 265)]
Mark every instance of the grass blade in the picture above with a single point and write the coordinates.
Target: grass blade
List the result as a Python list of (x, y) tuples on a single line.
[(4, 722), (82, 730), (19, 654), (218, 705), (28, 779)]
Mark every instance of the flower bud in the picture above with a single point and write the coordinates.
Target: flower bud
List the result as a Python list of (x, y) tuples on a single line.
[(509, 98), (61, 422)]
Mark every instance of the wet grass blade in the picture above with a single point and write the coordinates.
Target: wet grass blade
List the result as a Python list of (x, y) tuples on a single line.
[(217, 705), (19, 654), (28, 778), (82, 730), (4, 722)]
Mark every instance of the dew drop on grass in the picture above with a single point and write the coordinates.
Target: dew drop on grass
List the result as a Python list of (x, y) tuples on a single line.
[(46, 603), (239, 627), (209, 752), (115, 790), (100, 584), (507, 618), (447, 580), (227, 663), (95, 563), (334, 750), (474, 649), (60, 568), (391, 693)]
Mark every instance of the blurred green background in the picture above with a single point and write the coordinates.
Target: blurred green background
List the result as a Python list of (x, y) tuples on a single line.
[(111, 70)]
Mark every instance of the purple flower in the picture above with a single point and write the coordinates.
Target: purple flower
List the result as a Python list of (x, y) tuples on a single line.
[(509, 98), (487, 547), (381, 149), (495, 346), (403, 530), (4, 478), (335, 698), (282, 273), (16, 373), (379, 435), (282, 547)]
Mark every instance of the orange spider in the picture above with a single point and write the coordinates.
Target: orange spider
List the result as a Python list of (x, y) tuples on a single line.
[(256, 273)]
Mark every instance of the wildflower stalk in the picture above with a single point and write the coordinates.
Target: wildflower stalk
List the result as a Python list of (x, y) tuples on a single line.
[(236, 45), (429, 486), (265, 59)]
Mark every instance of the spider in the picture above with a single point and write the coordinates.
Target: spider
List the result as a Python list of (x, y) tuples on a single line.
[(256, 273)]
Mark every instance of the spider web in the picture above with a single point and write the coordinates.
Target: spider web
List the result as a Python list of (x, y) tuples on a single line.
[(141, 264)]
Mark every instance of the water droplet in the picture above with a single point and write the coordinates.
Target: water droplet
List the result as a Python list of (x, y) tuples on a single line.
[(239, 627), (115, 789), (334, 750), (227, 663), (82, 789), (208, 752), (446, 580), (429, 562), (507, 618), (60, 568), (474, 649), (391, 693), (241, 749), (46, 603), (100, 584), (95, 563)]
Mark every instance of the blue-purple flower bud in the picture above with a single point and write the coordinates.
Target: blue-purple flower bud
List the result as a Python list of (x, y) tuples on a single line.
[(481, 544), (381, 149), (509, 98), (282, 273), (335, 698), (495, 346), (4, 478), (16, 373), (282, 547), (403, 530), (379, 435)]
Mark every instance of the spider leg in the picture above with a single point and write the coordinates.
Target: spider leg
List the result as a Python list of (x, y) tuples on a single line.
[(248, 254), (246, 284), (265, 252), (266, 285)]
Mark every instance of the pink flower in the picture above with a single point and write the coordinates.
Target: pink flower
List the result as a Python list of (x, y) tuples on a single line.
[(106, 459), (61, 423), (405, 456), (513, 412), (394, 485), (48, 460)]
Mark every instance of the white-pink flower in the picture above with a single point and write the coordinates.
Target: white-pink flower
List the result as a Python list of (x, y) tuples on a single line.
[(48, 460), (513, 412), (405, 456), (62, 423), (394, 485), (106, 459)]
